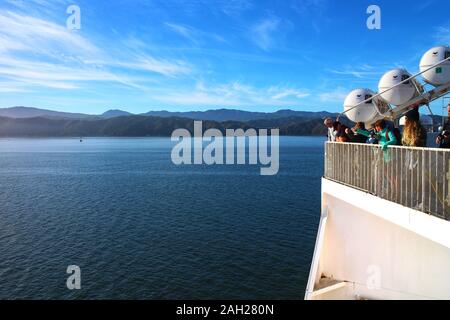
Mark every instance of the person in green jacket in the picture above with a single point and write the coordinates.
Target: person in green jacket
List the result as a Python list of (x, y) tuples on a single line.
[(385, 136)]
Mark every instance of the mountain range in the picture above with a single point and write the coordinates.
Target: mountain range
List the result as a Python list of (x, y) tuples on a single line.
[(238, 115), (143, 126), (212, 115), (33, 122)]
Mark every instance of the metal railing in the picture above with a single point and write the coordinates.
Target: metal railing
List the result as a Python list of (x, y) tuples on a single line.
[(417, 178)]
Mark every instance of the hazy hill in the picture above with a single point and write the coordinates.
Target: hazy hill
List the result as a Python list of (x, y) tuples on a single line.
[(212, 115), (27, 112), (238, 115), (115, 113), (32, 122), (141, 126)]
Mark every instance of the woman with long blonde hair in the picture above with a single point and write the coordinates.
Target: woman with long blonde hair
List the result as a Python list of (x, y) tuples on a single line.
[(414, 134)]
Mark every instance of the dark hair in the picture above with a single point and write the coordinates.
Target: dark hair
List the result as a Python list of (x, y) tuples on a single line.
[(341, 134), (341, 131), (380, 123), (337, 126), (413, 115)]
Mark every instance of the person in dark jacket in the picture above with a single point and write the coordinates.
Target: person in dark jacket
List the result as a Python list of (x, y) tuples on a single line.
[(354, 136), (443, 140), (341, 135)]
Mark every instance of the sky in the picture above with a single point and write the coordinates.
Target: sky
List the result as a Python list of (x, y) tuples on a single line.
[(183, 55)]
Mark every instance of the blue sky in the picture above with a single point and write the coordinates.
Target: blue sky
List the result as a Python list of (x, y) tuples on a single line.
[(181, 55)]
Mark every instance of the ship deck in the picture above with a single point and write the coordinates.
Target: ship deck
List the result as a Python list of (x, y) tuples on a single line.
[(384, 231)]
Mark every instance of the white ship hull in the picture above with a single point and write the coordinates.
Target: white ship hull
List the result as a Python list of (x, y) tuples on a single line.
[(371, 248)]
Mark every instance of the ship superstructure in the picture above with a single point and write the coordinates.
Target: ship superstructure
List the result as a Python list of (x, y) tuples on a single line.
[(384, 231), (385, 223)]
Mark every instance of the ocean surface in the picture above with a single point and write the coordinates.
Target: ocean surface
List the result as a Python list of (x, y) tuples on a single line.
[(140, 227)]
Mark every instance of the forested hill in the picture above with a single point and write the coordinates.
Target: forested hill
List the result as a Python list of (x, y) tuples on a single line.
[(145, 126)]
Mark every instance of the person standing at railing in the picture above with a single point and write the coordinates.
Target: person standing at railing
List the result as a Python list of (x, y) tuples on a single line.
[(354, 136), (414, 134), (384, 135), (342, 134), (443, 140), (332, 130)]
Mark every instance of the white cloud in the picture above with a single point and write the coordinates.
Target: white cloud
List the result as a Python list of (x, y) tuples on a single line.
[(194, 35), (22, 32), (44, 3), (40, 53), (234, 94), (7, 87), (147, 63), (184, 31), (424, 5), (235, 7), (336, 95), (443, 35), (312, 12), (263, 33), (356, 73), (231, 8), (284, 93), (50, 75)]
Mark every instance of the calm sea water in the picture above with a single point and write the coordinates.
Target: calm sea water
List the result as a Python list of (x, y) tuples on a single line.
[(140, 227)]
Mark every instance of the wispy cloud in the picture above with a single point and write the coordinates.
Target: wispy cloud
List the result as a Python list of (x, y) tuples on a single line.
[(363, 71), (235, 94), (39, 7), (194, 35), (312, 12), (443, 35), (336, 95), (30, 34), (231, 8), (235, 7), (48, 74), (423, 5), (44, 3), (8, 87), (263, 34), (184, 31), (309, 6), (38, 52), (281, 93), (356, 73)]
